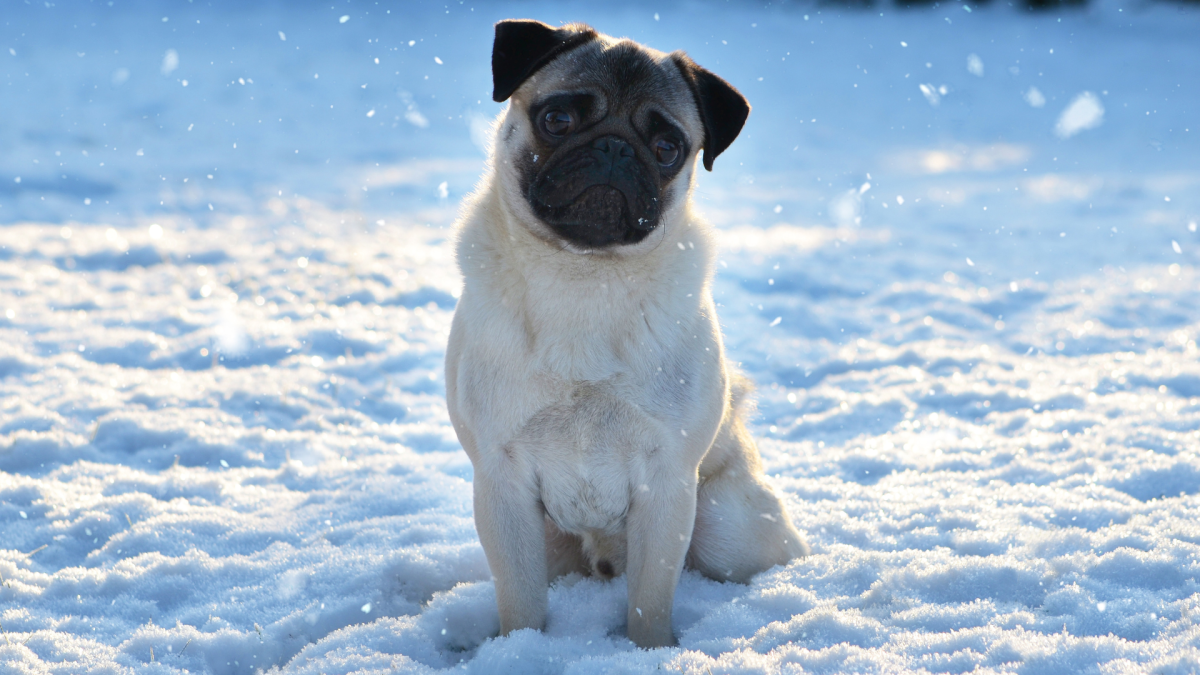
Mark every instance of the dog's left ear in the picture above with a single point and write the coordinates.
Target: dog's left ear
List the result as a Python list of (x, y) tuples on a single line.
[(723, 109), (522, 46)]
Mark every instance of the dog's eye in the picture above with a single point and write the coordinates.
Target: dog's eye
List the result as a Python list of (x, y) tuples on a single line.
[(666, 151), (558, 122)]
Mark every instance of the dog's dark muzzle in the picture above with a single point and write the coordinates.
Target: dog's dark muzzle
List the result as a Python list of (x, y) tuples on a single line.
[(598, 194)]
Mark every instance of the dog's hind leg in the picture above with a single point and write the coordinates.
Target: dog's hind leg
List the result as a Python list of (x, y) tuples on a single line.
[(741, 527)]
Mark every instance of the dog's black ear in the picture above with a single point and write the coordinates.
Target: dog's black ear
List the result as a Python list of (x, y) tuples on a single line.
[(523, 46), (723, 109)]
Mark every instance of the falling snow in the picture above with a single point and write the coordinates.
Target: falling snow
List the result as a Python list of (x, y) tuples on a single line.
[(223, 441)]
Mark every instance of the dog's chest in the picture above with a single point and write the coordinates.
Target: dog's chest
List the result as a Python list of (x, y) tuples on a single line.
[(589, 452), (586, 493)]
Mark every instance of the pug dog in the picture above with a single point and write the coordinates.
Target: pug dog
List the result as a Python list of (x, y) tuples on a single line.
[(585, 373)]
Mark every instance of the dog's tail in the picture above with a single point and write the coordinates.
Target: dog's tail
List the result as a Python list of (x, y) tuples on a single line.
[(741, 391)]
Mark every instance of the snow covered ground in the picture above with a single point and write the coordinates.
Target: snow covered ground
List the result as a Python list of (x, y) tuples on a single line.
[(959, 258)]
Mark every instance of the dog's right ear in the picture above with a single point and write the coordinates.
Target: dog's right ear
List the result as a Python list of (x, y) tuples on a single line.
[(523, 46)]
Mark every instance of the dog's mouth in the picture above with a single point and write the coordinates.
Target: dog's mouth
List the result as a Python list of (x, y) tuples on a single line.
[(597, 195), (599, 216)]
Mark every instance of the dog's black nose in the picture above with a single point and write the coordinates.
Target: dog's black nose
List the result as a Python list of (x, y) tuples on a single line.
[(613, 147)]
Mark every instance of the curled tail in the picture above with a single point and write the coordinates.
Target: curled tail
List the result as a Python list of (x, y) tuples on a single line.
[(741, 388)]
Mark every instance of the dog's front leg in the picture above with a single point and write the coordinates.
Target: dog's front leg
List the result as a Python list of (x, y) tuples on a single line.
[(659, 528), (510, 521)]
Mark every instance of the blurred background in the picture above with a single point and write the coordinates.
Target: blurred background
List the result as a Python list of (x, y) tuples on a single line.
[(120, 111)]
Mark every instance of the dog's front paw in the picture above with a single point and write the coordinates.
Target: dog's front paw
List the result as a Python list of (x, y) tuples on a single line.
[(648, 633)]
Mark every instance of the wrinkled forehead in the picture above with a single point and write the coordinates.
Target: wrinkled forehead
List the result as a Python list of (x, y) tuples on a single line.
[(628, 76)]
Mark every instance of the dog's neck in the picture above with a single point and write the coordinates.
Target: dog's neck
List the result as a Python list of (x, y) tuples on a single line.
[(665, 282)]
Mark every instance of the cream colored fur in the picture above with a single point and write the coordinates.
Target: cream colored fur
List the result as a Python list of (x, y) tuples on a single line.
[(591, 392)]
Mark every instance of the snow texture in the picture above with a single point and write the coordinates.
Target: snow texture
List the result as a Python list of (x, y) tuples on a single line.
[(226, 284)]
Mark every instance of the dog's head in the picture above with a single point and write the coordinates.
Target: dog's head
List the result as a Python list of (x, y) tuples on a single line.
[(602, 134)]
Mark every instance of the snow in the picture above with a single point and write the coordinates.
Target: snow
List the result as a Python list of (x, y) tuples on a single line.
[(1085, 112), (223, 310)]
